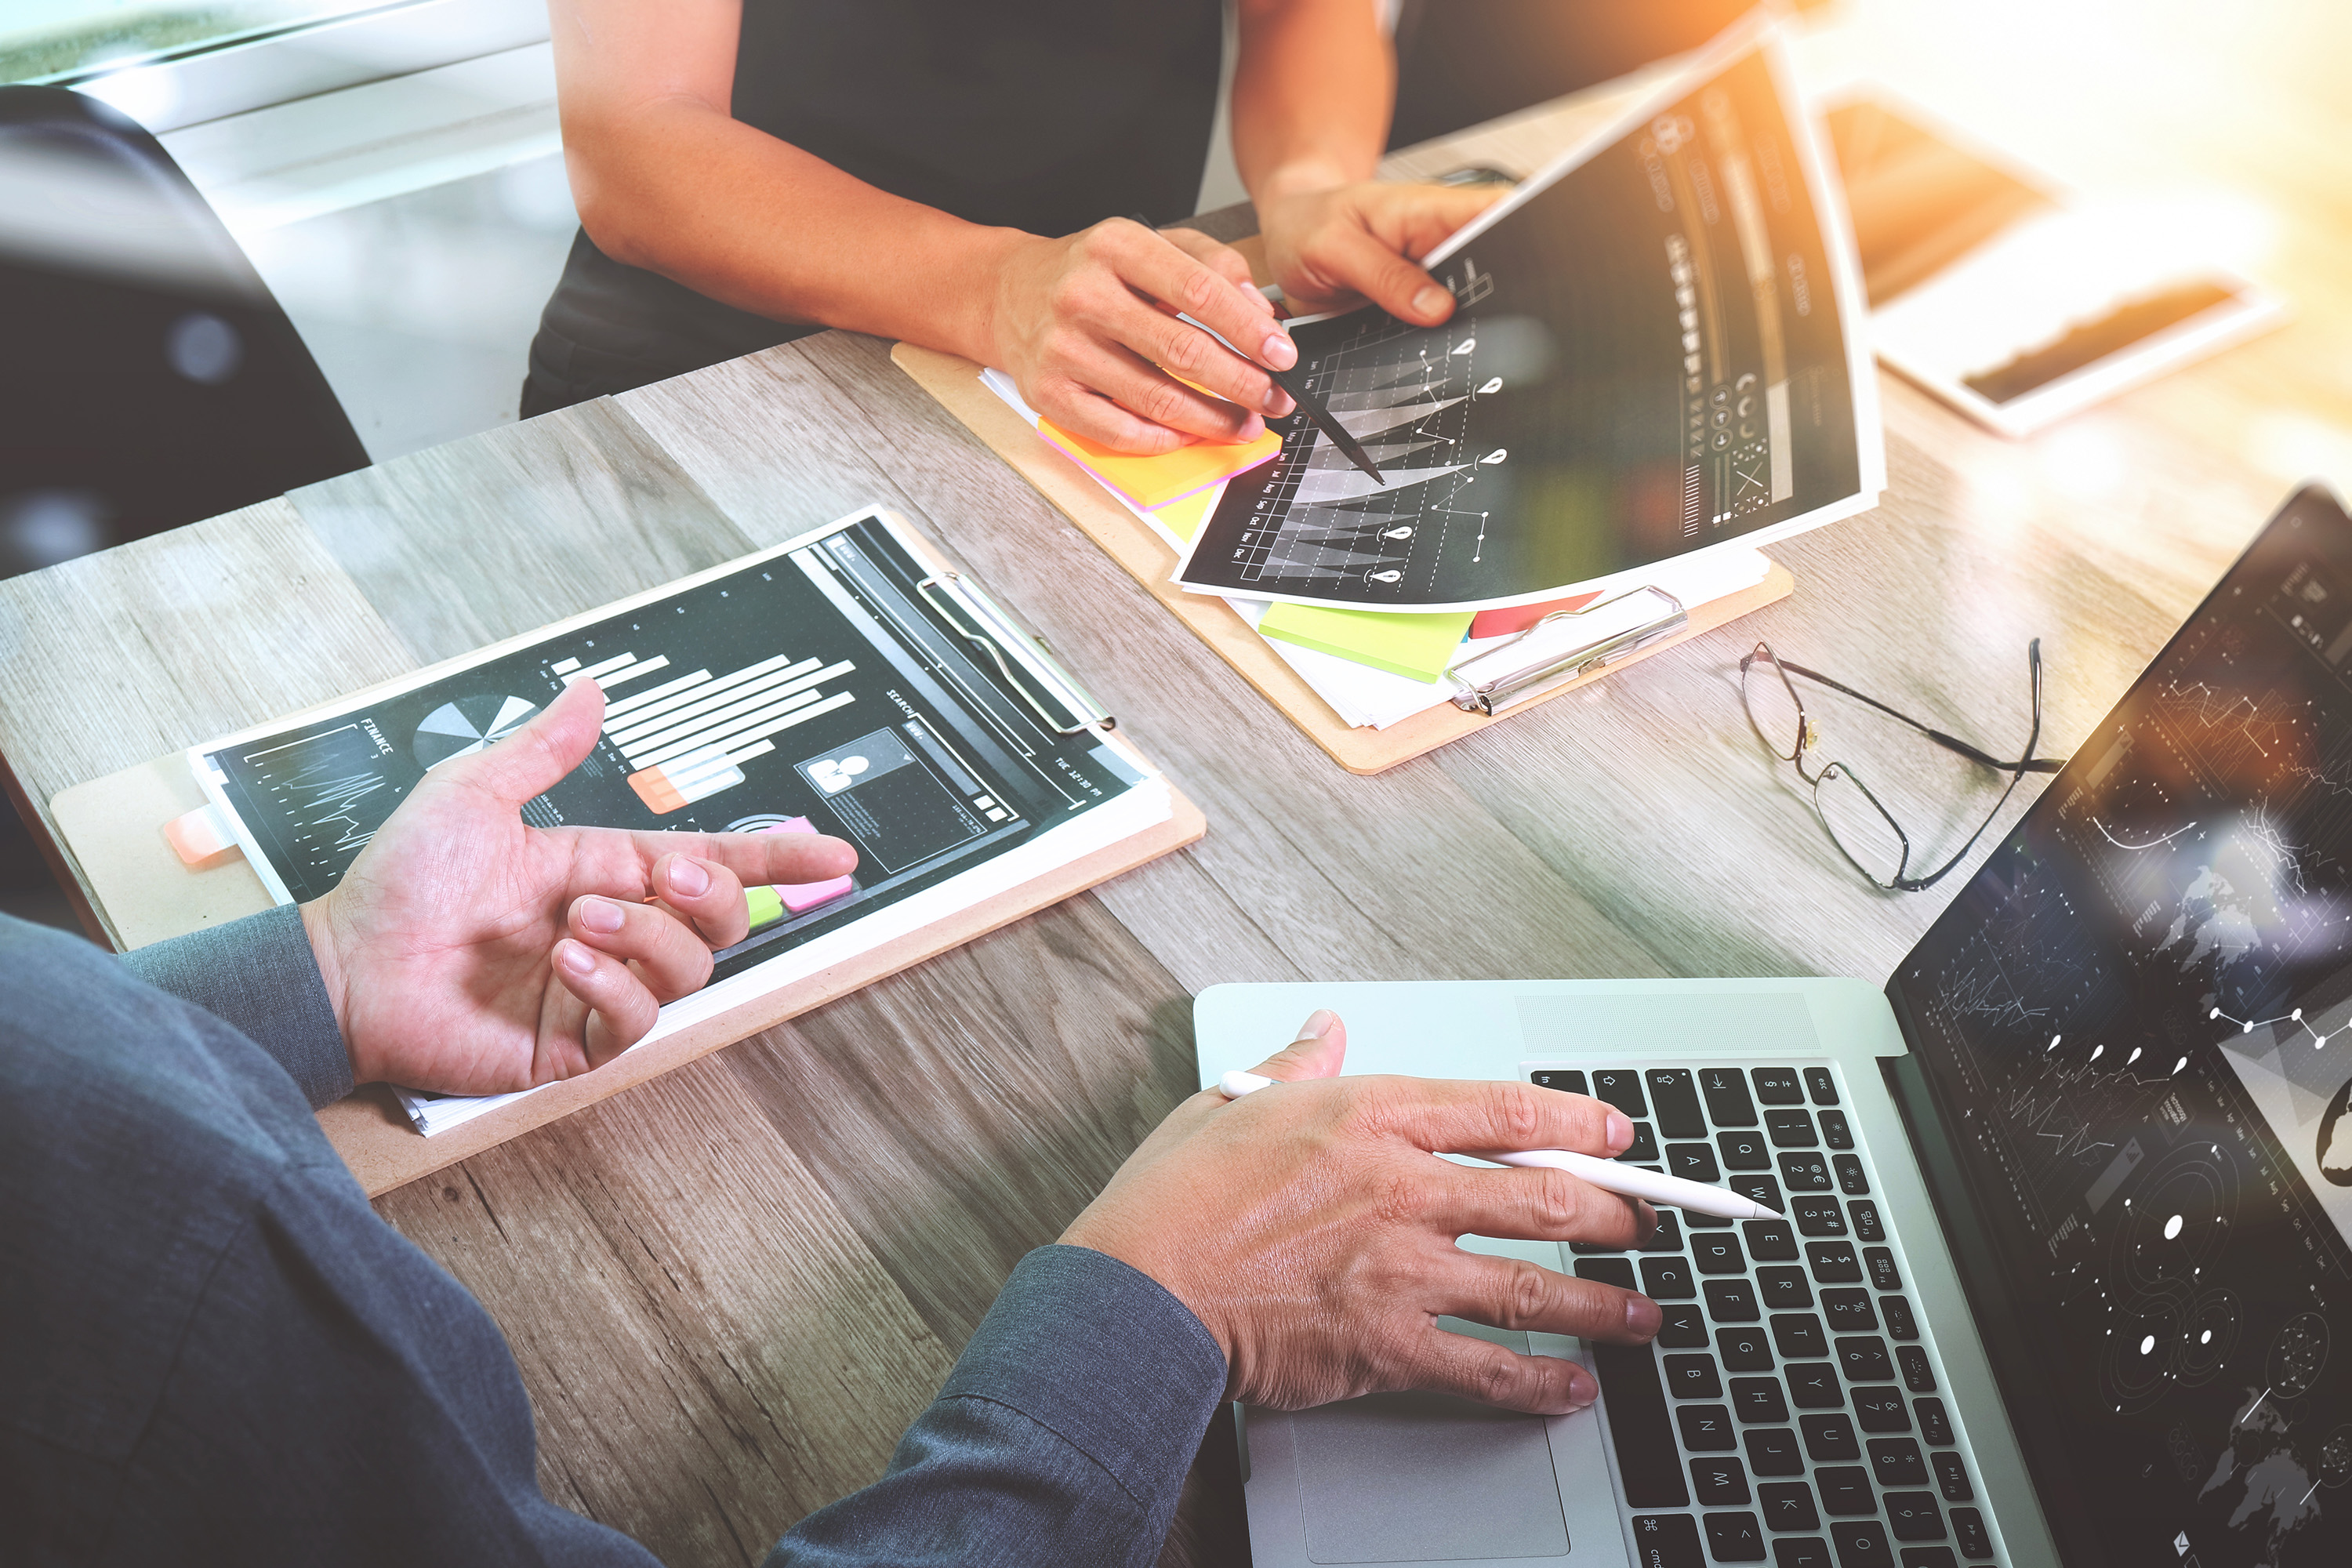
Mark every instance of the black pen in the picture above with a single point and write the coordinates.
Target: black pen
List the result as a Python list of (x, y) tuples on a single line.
[(1295, 383)]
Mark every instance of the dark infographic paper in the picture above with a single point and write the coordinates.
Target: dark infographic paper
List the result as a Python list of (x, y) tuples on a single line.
[(2139, 1017), (815, 682), (1656, 349)]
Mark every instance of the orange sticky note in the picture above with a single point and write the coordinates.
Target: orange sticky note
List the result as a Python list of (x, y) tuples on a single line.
[(1151, 482)]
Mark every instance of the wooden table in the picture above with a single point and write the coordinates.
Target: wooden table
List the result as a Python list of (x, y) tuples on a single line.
[(730, 1289)]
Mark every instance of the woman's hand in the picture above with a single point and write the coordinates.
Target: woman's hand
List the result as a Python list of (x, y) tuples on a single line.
[(1335, 247)]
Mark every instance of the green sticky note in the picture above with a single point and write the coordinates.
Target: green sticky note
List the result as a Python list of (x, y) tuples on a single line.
[(763, 904), (1418, 647)]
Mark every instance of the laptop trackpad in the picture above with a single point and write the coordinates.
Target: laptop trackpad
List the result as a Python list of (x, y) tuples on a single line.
[(1424, 1477)]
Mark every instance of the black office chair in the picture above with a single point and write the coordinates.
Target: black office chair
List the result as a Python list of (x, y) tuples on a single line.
[(147, 376)]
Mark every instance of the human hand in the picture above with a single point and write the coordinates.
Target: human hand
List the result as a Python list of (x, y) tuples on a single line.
[(1333, 248), (468, 952), (1312, 1231), (1087, 327)]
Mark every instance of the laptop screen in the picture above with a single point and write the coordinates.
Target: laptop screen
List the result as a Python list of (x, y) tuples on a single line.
[(2137, 1020)]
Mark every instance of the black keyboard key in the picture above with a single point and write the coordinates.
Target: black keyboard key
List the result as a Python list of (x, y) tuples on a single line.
[(1760, 1189), (1808, 1552), (1851, 1180), (1758, 1400), (1731, 1301), (1718, 1483), (1899, 1320), (1680, 1326), (1778, 1086), (1848, 1311), (1646, 1461), (1770, 1240), (1918, 1373), (1706, 1221), (1835, 1132), (1865, 1360), (1951, 1478), (1566, 1079), (1832, 1263), (1743, 1150), (1799, 1336), (1707, 1428), (1744, 1349), (1934, 1425), (1883, 1272), (1866, 1224), (1718, 1253), (1693, 1161), (1862, 1545), (1817, 1217), (1824, 1085), (1897, 1462), (1668, 1236), (1674, 1098), (1814, 1385), (1788, 1505), (1668, 1279), (1594, 1249), (1929, 1557), (1692, 1377), (1785, 1290), (1734, 1538), (1791, 1128), (1914, 1515), (1845, 1489), (1620, 1087), (1644, 1149), (1830, 1438), (1880, 1410), (1618, 1271), (1727, 1097), (1969, 1526), (1805, 1172), (1773, 1451), (1666, 1540)]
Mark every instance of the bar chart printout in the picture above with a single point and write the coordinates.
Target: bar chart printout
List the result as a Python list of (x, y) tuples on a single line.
[(815, 687)]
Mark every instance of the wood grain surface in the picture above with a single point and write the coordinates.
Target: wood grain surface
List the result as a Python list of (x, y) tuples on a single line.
[(729, 1287)]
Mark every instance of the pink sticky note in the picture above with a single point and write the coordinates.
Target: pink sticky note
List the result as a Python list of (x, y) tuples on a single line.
[(801, 897)]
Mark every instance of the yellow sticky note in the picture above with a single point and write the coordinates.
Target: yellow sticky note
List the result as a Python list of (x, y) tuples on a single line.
[(1418, 647), (1183, 517), (1153, 482)]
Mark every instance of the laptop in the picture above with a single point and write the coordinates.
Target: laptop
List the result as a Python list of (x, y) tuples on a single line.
[(2063, 1276)]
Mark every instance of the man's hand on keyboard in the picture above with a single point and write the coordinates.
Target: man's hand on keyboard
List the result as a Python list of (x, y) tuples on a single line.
[(1311, 1229)]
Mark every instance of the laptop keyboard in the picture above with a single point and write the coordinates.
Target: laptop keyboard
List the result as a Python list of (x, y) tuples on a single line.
[(1792, 1407)]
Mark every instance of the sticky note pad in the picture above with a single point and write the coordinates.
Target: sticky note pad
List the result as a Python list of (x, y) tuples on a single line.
[(801, 897), (1183, 517), (1151, 482), (1418, 647)]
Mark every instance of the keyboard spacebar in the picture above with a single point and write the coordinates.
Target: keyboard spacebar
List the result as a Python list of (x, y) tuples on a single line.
[(1647, 1460)]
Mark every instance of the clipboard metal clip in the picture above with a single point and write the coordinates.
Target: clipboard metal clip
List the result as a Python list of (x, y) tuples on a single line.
[(1038, 678), (1515, 680)]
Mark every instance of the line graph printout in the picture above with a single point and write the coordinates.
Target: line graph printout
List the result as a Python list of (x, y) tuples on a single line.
[(2138, 1018), (1657, 347), (815, 681)]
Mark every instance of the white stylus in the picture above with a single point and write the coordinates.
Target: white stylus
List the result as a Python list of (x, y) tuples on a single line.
[(1632, 1181)]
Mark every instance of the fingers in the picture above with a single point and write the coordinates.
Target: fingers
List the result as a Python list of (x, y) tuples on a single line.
[(670, 957), (755, 860), (1164, 270), (1319, 1051), (1140, 387), (1512, 1293), (1465, 1117), (1475, 1369), (621, 1009), (707, 893), (1223, 259), (536, 757), (1537, 1204), (1355, 261)]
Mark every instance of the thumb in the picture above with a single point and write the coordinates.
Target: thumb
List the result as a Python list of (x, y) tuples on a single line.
[(1318, 1052), (536, 758)]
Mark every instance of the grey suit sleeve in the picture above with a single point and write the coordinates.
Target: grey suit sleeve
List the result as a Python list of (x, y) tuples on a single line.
[(1062, 1436), (258, 977)]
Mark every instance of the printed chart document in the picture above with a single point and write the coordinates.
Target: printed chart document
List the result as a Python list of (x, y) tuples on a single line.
[(842, 683), (1660, 348)]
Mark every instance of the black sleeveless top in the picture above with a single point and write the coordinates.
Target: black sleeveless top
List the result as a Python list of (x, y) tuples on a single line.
[(1043, 115)]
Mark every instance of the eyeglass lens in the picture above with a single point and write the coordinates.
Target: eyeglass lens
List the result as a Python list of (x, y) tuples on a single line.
[(1859, 825), (1771, 704)]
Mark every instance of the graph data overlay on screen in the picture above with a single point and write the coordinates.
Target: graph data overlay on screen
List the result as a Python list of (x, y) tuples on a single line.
[(1651, 353), (820, 686), (2137, 1022)]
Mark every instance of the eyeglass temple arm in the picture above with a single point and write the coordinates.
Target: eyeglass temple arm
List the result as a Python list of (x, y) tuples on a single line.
[(2031, 764)]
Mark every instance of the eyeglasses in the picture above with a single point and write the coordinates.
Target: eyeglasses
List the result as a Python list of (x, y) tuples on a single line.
[(1861, 828)]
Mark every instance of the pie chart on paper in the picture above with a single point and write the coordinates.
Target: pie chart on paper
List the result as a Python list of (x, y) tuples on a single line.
[(460, 729)]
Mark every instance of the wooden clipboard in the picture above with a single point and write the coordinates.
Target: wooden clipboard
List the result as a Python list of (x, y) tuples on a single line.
[(956, 383), (114, 828)]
